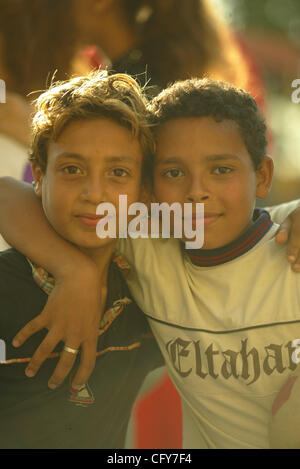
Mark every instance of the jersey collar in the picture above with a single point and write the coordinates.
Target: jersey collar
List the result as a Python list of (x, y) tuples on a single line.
[(211, 257)]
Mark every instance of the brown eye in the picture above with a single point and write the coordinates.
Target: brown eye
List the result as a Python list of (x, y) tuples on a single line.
[(119, 172), (174, 173), (72, 170), (222, 170)]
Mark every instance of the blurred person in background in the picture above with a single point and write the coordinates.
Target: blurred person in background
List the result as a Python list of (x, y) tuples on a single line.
[(169, 39), (34, 43)]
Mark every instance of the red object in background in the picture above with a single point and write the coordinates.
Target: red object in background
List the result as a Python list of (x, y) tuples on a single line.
[(94, 56), (158, 418)]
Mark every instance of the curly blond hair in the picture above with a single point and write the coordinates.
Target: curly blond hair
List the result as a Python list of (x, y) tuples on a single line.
[(117, 97)]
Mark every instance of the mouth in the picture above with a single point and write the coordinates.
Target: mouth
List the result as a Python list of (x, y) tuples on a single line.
[(208, 219), (89, 220)]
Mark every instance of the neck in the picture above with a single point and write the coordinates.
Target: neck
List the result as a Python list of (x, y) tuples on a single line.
[(246, 241)]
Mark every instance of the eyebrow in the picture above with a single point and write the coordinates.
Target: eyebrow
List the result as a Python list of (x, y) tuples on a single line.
[(109, 159), (209, 158), (223, 156)]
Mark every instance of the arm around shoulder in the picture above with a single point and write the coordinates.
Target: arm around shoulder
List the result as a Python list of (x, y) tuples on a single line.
[(280, 212), (24, 226)]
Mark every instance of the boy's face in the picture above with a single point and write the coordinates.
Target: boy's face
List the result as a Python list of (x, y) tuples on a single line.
[(200, 160), (92, 161)]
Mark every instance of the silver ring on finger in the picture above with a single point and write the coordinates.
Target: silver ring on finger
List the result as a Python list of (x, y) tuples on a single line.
[(71, 350)]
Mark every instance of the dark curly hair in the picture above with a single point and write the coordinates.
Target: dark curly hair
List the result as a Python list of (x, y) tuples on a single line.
[(211, 98)]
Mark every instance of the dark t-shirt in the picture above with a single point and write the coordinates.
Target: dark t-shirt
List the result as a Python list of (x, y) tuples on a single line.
[(32, 415)]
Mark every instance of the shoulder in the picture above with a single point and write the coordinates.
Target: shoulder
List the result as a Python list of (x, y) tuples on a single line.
[(144, 251), (16, 282), (13, 264), (280, 212), (20, 298), (16, 279)]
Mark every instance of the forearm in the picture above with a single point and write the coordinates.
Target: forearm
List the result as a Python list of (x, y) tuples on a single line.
[(24, 226)]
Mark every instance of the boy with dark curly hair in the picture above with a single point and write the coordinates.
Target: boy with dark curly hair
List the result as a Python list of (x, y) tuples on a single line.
[(228, 313)]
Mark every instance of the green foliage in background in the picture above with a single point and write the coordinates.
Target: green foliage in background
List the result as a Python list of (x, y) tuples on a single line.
[(273, 15)]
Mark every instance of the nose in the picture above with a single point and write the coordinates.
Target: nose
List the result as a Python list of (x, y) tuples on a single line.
[(198, 190), (94, 190)]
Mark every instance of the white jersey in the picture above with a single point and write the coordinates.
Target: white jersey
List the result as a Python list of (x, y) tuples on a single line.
[(226, 333)]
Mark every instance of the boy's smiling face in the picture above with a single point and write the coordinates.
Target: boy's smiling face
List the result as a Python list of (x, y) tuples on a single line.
[(92, 161), (201, 160)]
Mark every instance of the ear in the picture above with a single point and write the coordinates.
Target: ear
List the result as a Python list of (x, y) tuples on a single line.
[(264, 177), (38, 179)]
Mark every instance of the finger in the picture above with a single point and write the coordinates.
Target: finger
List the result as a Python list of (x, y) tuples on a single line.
[(42, 352), (293, 247), (296, 266), (282, 234), (289, 232), (63, 368), (87, 362), (296, 263), (31, 328)]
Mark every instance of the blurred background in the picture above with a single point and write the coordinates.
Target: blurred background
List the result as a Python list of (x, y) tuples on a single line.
[(254, 44), (271, 31)]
